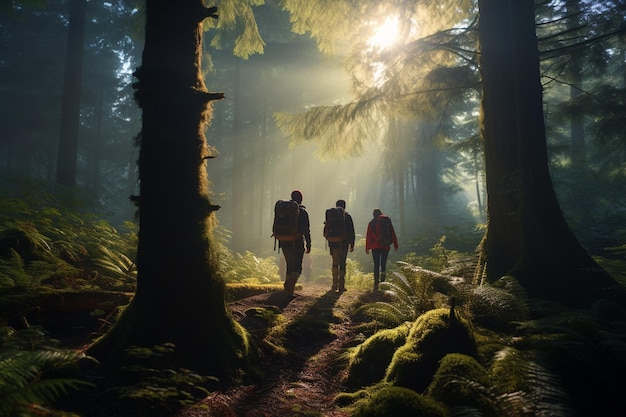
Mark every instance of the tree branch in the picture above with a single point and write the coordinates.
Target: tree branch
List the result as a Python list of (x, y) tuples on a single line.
[(211, 12)]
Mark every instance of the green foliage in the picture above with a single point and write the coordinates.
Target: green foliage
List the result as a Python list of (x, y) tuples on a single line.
[(369, 361), (615, 265), (498, 305), (403, 304), (433, 335), (438, 259), (248, 268), (153, 387), (121, 270), (237, 26), (33, 376), (12, 273), (398, 402), (355, 278), (49, 239), (455, 381), (410, 293), (583, 346)]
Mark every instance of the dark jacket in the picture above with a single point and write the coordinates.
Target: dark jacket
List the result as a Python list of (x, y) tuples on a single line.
[(350, 235)]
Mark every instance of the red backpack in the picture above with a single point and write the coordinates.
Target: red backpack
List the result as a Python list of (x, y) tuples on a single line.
[(383, 230)]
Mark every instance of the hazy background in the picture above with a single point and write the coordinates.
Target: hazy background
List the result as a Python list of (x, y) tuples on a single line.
[(426, 174)]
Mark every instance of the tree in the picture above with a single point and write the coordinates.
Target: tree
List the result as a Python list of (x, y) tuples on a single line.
[(527, 236), (420, 78), (180, 295), (70, 107)]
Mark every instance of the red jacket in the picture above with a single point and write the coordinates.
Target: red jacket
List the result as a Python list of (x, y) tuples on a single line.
[(372, 240)]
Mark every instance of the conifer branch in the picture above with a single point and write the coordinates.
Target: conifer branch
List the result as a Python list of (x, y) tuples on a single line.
[(211, 12)]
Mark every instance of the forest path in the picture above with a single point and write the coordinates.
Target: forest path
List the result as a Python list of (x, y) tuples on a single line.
[(316, 327)]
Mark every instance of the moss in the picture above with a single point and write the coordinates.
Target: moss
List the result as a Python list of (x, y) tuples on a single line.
[(509, 370), (399, 402), (346, 398), (499, 305), (432, 336), (370, 360), (457, 382), (237, 291)]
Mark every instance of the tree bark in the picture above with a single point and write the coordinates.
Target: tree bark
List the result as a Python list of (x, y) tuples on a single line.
[(180, 294), (527, 236)]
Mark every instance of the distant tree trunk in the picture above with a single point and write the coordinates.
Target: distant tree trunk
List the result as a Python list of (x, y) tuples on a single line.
[(429, 163), (577, 125), (239, 203), (95, 150), (180, 294), (527, 236), (70, 106)]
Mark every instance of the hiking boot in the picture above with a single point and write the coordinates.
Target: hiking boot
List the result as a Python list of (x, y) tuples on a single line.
[(290, 285)]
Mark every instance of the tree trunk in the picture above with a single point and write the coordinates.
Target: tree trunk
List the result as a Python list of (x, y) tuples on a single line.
[(239, 223), (70, 106), (527, 236), (180, 294)]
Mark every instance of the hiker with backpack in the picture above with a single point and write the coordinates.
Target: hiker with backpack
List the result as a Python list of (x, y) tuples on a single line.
[(291, 229), (339, 231), (379, 238)]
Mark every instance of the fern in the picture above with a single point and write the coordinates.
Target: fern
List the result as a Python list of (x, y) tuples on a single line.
[(156, 389), (119, 267), (23, 379), (403, 304), (536, 391)]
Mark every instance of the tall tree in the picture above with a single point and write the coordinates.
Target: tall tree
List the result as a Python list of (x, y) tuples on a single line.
[(527, 236), (180, 294), (70, 106)]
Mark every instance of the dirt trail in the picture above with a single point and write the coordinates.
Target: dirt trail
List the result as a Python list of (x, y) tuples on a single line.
[(318, 329)]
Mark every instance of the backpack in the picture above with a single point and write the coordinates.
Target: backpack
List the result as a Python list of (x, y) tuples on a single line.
[(285, 227), (335, 225), (383, 231)]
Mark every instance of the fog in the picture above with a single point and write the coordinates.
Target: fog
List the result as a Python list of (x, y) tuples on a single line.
[(257, 165)]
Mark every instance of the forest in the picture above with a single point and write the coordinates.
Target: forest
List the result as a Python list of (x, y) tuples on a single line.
[(146, 142)]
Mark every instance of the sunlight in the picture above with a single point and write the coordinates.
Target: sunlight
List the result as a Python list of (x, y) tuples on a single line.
[(385, 35)]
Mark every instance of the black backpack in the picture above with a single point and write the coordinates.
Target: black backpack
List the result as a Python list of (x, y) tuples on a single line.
[(335, 225), (285, 226), (383, 231)]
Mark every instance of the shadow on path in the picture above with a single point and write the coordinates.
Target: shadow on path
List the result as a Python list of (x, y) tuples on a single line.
[(290, 384)]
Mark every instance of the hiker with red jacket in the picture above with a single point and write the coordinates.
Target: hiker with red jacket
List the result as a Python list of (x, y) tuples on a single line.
[(379, 238)]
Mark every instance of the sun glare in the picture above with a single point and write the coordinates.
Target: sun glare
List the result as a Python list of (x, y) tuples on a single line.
[(385, 35)]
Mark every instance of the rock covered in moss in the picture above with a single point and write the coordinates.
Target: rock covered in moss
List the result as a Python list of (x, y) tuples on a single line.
[(370, 360), (458, 381), (433, 335), (399, 402)]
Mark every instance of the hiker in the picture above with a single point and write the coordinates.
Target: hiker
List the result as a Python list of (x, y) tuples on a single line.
[(292, 242), (339, 231), (380, 235)]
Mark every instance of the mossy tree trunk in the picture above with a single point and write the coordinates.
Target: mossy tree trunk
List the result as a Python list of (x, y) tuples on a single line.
[(527, 235), (180, 295)]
